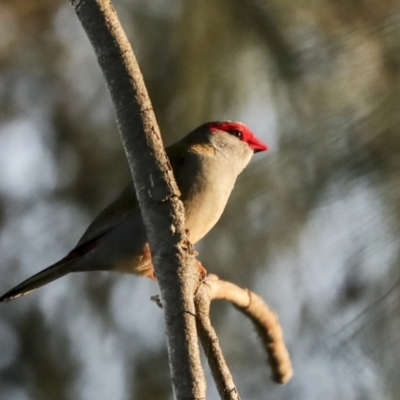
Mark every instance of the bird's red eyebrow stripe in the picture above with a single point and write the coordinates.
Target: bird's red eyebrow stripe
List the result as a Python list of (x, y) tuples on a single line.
[(227, 126), (255, 144)]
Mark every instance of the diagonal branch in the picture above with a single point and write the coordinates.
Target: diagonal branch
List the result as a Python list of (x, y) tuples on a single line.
[(157, 192)]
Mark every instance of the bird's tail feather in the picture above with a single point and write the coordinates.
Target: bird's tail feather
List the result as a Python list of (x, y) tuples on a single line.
[(48, 275)]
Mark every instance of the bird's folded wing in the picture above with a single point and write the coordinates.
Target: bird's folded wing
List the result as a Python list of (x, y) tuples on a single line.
[(122, 208), (126, 205)]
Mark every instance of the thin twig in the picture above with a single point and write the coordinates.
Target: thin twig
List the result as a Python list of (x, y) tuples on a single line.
[(264, 319), (212, 350)]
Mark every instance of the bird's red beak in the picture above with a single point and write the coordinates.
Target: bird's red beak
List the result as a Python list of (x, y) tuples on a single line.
[(257, 145)]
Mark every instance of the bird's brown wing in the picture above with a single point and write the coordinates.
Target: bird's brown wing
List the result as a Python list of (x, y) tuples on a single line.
[(177, 158), (125, 205), (122, 208)]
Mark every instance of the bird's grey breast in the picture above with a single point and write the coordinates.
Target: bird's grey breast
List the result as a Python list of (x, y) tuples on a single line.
[(206, 194)]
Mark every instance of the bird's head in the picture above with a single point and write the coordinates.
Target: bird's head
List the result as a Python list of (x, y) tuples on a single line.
[(231, 144), (239, 131)]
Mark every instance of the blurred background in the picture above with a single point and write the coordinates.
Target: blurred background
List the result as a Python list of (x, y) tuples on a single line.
[(312, 226)]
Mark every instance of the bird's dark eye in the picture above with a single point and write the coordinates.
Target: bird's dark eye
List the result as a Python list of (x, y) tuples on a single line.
[(237, 133)]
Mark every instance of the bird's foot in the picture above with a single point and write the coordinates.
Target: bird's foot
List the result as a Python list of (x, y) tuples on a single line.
[(202, 270), (151, 275)]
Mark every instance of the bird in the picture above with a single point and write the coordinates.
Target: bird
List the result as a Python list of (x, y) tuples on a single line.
[(205, 163)]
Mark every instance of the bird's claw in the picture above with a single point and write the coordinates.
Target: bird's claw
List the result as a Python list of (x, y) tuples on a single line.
[(202, 270)]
